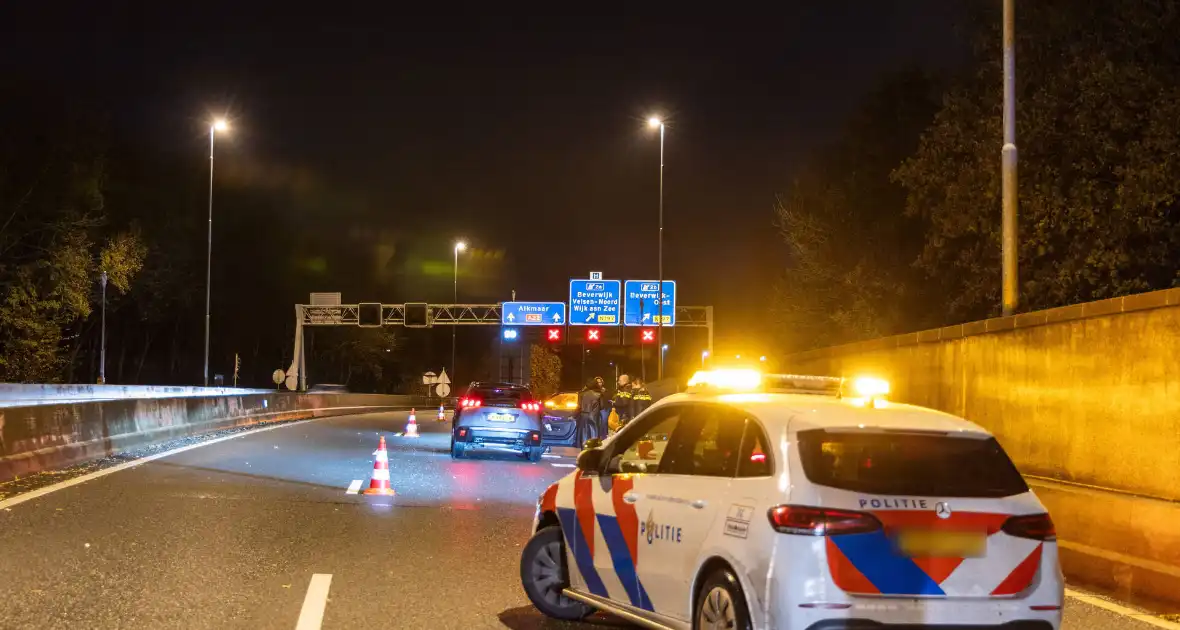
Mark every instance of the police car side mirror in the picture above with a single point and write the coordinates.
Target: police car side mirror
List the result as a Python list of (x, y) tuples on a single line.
[(590, 460)]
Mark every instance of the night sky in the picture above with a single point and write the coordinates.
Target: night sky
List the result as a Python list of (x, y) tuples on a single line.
[(522, 133)]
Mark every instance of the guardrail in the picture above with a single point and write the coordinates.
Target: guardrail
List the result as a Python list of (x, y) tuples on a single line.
[(23, 395)]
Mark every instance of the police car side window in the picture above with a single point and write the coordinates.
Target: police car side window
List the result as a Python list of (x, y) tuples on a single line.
[(755, 458), (706, 443), (647, 445)]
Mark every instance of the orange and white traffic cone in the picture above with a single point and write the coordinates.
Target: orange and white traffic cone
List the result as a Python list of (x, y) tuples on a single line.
[(442, 414), (411, 426), (379, 484)]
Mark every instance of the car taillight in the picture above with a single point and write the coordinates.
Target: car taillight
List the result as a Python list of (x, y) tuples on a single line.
[(1034, 526), (813, 521), (530, 406), (469, 403)]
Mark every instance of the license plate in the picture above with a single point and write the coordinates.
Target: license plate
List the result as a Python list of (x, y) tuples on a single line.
[(934, 544), (501, 417)]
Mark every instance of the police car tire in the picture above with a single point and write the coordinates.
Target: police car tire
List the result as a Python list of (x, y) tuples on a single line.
[(535, 453), (726, 580), (565, 608), (457, 450)]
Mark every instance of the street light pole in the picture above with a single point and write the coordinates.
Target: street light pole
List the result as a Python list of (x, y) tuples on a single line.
[(656, 122), (460, 246), (1011, 298), (102, 353), (218, 125)]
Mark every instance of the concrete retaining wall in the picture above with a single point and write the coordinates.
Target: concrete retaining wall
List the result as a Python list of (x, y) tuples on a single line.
[(1085, 398), (48, 436)]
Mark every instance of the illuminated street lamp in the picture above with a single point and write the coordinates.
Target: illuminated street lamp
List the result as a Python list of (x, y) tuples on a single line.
[(459, 247), (218, 125), (704, 355), (655, 122)]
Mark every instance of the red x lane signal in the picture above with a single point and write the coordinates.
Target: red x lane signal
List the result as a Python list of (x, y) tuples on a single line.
[(553, 334), (649, 336), (593, 334)]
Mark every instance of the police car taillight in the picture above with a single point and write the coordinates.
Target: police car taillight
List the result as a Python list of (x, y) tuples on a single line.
[(469, 403), (1034, 526), (530, 405), (813, 521)]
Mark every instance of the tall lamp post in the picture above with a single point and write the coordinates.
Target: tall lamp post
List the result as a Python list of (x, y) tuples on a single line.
[(217, 125), (655, 122), (459, 246), (102, 352), (1011, 295)]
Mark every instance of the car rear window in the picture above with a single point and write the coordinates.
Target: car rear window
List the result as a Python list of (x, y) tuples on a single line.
[(925, 464), (501, 395)]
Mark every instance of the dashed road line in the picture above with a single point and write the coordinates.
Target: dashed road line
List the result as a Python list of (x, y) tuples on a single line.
[(1118, 609), (311, 616), (556, 465), (354, 487)]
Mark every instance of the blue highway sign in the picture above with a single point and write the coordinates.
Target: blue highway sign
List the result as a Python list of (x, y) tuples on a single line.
[(594, 302), (532, 313), (640, 305)]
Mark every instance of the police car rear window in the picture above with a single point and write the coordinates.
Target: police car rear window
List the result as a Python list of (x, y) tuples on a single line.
[(925, 464)]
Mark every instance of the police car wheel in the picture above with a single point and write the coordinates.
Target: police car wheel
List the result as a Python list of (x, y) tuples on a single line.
[(457, 450), (543, 575), (721, 604), (535, 453)]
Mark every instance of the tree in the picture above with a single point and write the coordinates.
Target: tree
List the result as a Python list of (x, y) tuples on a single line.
[(54, 241), (1098, 95), (362, 358), (849, 243), (544, 371)]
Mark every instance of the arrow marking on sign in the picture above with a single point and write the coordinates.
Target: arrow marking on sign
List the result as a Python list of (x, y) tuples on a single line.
[(556, 317), (511, 317), (646, 316), (591, 317)]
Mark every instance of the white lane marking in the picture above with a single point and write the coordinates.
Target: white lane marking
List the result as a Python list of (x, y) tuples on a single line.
[(311, 616), (354, 487), (556, 465), (40, 492), (550, 456), (1117, 609)]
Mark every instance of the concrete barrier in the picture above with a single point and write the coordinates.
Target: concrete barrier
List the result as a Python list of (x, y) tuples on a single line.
[(1085, 398), (41, 437)]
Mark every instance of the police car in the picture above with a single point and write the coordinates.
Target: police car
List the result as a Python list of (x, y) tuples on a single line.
[(779, 501)]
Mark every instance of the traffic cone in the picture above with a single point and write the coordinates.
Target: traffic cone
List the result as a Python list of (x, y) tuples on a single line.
[(411, 426), (442, 414), (379, 484)]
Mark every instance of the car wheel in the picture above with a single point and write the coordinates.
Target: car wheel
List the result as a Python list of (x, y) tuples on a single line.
[(535, 453), (457, 449), (721, 604), (544, 576)]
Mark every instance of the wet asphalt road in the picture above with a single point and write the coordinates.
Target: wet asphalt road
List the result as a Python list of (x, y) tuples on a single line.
[(229, 535)]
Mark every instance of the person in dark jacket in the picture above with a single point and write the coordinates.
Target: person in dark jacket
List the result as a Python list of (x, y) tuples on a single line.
[(589, 411), (640, 397)]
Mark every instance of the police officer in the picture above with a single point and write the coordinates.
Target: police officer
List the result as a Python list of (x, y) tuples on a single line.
[(640, 397), (621, 404)]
